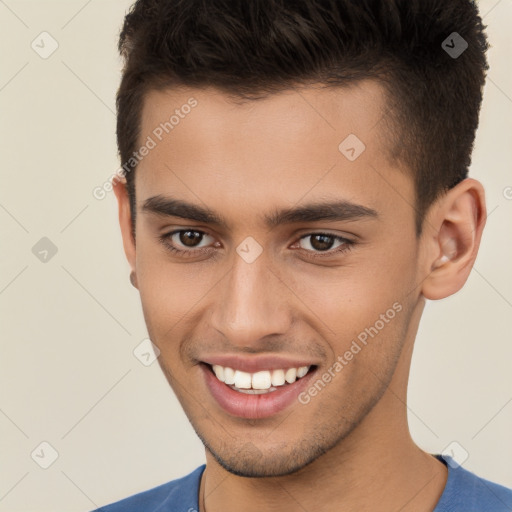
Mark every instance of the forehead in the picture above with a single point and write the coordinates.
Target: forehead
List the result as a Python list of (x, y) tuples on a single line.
[(304, 112), (230, 154)]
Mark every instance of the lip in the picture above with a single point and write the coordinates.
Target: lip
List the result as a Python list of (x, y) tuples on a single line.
[(258, 363), (261, 406)]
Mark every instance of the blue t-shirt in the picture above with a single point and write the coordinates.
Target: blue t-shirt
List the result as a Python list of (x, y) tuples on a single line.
[(464, 492)]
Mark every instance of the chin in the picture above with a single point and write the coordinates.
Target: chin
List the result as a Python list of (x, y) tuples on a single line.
[(251, 462)]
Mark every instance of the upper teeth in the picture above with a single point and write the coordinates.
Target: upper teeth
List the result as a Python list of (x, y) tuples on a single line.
[(259, 380)]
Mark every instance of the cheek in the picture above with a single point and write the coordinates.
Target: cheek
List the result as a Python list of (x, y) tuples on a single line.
[(162, 288), (346, 299), (173, 295), (360, 313), (364, 360)]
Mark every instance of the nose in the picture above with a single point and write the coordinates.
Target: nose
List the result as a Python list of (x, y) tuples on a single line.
[(252, 303)]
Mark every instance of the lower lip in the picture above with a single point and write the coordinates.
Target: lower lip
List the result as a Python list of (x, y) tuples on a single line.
[(246, 405)]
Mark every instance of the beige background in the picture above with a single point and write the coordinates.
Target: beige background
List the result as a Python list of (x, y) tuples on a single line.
[(68, 375)]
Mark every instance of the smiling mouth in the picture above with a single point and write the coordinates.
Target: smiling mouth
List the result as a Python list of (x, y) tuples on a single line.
[(261, 382)]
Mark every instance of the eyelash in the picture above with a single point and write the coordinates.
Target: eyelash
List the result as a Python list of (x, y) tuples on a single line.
[(345, 247)]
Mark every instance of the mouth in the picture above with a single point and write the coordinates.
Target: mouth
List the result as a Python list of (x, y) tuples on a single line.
[(258, 394)]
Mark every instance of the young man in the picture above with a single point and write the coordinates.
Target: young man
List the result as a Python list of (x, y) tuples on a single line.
[(294, 187)]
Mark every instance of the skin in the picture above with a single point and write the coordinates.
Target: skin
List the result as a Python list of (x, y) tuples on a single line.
[(244, 160)]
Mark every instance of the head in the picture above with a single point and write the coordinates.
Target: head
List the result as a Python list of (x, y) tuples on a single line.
[(330, 141)]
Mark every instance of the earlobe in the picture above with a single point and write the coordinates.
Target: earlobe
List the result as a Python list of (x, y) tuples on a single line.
[(456, 226), (133, 279), (125, 220)]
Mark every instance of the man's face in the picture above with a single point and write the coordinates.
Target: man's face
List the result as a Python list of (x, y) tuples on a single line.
[(256, 296)]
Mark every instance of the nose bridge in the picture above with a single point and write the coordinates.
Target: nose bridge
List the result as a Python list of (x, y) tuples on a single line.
[(251, 303)]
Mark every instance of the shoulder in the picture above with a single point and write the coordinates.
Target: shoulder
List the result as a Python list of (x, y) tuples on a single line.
[(180, 495), (471, 493)]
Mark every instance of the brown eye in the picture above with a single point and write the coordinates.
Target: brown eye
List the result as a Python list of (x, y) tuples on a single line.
[(186, 242), (324, 245), (189, 238), (324, 242)]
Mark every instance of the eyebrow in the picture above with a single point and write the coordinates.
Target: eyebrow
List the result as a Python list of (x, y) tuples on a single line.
[(313, 212)]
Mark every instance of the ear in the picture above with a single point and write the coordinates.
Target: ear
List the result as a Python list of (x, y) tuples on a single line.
[(453, 230), (125, 222)]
